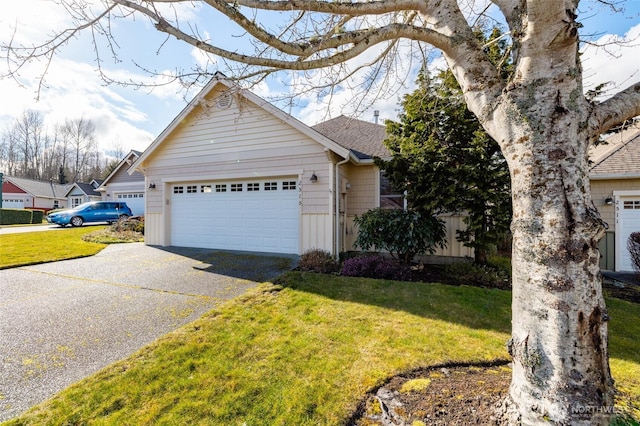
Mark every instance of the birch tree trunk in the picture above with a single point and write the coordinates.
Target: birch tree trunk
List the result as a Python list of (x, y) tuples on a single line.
[(559, 319), (544, 126)]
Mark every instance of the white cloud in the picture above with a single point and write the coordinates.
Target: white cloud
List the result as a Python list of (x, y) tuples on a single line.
[(26, 21), (74, 90), (612, 59)]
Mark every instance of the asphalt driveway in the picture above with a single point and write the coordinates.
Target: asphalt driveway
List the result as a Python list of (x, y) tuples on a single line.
[(62, 321)]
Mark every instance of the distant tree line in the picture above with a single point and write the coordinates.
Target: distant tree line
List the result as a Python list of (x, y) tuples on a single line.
[(65, 153)]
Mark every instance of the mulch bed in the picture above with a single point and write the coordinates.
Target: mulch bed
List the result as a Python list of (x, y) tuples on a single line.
[(452, 395)]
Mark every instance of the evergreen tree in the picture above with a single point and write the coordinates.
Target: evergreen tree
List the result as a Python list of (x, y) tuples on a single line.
[(446, 162)]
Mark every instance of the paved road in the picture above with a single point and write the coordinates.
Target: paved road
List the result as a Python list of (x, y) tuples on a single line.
[(62, 321)]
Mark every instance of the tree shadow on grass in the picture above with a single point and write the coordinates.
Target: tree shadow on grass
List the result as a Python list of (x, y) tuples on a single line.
[(473, 307)]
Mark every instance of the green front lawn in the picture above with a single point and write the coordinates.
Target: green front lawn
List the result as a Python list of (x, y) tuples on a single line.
[(46, 246), (305, 353)]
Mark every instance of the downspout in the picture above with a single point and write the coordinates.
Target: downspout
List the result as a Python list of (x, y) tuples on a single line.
[(337, 206)]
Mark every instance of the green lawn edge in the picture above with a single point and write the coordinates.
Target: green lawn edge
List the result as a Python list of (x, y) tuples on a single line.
[(306, 350), (32, 248)]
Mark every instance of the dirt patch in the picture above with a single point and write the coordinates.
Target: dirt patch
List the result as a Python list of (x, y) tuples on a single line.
[(466, 395)]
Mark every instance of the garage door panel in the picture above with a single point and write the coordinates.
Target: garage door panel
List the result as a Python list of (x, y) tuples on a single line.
[(135, 201), (256, 220), (628, 221)]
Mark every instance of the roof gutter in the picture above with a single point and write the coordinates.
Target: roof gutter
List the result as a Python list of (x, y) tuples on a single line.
[(608, 176)]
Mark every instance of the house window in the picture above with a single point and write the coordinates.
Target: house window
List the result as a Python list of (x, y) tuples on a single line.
[(388, 198), (271, 186), (236, 187), (205, 188), (253, 187), (178, 189), (55, 204), (76, 201), (192, 189), (221, 187), (289, 185)]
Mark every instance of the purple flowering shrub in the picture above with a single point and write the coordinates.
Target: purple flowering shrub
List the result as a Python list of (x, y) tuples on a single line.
[(375, 267)]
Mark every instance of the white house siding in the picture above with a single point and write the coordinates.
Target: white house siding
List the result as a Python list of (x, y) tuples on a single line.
[(154, 229), (317, 231), (242, 141)]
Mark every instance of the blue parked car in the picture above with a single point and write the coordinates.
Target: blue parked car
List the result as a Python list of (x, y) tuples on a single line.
[(95, 211)]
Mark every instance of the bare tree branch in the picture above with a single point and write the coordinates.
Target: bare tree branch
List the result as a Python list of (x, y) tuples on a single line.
[(622, 106)]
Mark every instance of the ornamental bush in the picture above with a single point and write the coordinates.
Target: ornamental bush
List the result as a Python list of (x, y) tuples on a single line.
[(317, 260), (633, 245), (374, 266), (403, 234)]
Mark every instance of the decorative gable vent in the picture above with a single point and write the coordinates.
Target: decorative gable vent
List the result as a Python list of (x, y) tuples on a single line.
[(224, 100)]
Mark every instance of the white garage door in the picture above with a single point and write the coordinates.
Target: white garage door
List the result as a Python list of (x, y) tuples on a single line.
[(250, 215), (12, 203), (135, 201), (628, 222)]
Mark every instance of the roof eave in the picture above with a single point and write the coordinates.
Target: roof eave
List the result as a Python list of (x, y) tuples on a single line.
[(136, 166), (261, 103), (609, 176), (118, 167)]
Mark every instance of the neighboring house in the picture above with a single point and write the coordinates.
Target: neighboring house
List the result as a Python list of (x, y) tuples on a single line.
[(20, 193), (234, 172), (615, 188), (122, 186), (80, 193)]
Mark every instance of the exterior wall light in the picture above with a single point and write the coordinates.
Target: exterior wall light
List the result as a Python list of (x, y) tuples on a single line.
[(152, 185), (314, 178), (608, 201)]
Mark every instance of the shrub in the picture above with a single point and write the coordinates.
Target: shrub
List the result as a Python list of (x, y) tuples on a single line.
[(375, 266), (633, 245), (403, 234), (500, 263), (316, 260), (479, 275), (134, 225)]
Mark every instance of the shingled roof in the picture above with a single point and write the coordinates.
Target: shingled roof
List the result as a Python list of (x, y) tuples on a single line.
[(619, 157), (86, 188), (363, 138), (38, 188)]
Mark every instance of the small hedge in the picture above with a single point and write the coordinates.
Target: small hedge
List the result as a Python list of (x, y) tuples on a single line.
[(317, 260), (20, 216), (375, 267)]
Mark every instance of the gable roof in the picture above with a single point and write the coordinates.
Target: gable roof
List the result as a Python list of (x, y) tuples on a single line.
[(39, 188), (127, 161), (86, 188), (220, 79), (363, 138), (619, 158)]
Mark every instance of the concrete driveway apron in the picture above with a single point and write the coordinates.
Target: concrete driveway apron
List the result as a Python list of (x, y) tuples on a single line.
[(62, 321)]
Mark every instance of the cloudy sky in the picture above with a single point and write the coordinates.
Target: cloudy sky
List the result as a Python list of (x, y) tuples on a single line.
[(127, 117)]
